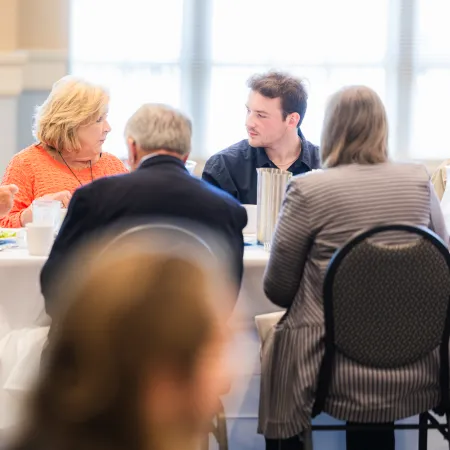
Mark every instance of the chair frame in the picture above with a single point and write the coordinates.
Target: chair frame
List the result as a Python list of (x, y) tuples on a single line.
[(218, 430), (426, 420), (158, 226)]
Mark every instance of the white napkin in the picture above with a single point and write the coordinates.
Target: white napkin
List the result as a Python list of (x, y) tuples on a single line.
[(24, 348), (265, 322)]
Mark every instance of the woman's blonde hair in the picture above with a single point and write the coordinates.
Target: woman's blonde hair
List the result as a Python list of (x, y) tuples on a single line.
[(72, 103), (355, 128)]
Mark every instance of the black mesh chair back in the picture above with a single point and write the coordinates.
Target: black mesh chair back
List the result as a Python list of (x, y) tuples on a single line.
[(387, 305)]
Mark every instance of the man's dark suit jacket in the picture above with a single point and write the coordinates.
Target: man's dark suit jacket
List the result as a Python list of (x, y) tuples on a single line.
[(160, 188)]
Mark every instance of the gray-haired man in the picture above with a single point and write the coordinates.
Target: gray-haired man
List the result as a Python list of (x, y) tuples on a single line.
[(159, 141)]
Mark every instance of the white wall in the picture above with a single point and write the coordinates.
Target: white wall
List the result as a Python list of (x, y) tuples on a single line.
[(33, 55)]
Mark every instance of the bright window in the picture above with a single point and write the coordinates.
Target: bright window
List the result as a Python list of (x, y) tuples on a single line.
[(431, 94), (198, 55), (131, 54)]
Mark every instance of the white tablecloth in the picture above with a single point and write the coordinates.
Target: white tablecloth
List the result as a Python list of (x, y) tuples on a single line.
[(24, 327), (22, 305), (23, 331)]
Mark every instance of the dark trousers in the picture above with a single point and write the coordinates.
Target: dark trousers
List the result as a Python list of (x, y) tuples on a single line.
[(293, 443), (370, 439), (366, 439)]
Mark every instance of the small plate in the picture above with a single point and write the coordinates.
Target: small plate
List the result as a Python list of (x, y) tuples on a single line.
[(7, 241), (6, 233)]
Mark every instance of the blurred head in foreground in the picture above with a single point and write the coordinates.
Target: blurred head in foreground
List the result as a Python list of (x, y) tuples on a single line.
[(137, 359)]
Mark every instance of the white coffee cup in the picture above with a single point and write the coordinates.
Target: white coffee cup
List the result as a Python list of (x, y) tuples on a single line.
[(251, 219), (39, 239)]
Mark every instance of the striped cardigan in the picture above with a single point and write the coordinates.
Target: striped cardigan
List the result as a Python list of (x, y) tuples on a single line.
[(322, 211)]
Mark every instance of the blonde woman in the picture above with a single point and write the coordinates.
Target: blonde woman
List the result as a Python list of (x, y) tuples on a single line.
[(359, 189), (70, 127), (135, 361)]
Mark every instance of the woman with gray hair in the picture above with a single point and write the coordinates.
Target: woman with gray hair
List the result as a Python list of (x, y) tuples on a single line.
[(359, 189)]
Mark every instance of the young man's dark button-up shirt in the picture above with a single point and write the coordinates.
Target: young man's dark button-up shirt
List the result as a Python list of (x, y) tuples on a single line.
[(234, 169)]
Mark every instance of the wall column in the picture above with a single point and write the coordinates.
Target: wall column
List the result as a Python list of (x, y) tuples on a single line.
[(33, 55)]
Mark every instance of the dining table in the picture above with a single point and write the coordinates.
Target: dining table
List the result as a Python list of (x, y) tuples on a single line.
[(24, 327)]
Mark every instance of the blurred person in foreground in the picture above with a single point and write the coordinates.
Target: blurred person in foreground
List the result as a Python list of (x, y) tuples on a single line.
[(122, 371), (359, 189), (70, 128), (159, 142), (7, 198), (276, 107)]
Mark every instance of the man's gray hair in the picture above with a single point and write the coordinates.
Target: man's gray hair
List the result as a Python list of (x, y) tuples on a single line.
[(160, 127)]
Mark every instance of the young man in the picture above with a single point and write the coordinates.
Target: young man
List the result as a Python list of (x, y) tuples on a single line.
[(276, 107)]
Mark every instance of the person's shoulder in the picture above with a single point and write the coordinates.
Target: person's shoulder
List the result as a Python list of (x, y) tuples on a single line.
[(216, 194), (103, 184), (313, 154), (310, 146), (238, 151), (319, 179), (113, 163), (28, 161), (361, 174), (408, 169), (312, 178), (31, 153)]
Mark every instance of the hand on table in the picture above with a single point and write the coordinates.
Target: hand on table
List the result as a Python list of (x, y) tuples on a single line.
[(62, 196), (7, 193)]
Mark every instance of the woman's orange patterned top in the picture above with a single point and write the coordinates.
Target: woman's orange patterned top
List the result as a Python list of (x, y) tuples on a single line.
[(36, 174)]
